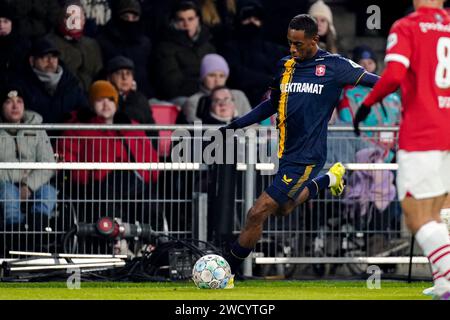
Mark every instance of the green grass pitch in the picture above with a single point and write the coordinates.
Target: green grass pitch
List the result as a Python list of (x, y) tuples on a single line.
[(244, 290)]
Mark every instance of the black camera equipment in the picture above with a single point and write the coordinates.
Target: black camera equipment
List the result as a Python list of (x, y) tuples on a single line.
[(107, 227)]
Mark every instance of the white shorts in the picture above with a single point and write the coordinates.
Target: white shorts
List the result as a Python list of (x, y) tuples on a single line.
[(424, 174)]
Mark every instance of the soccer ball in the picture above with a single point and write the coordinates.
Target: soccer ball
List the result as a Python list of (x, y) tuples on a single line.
[(211, 272)]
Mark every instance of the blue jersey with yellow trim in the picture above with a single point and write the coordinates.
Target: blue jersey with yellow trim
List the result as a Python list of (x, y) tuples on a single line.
[(307, 92)]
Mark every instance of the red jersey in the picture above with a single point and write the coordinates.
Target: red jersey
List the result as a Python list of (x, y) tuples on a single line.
[(421, 43)]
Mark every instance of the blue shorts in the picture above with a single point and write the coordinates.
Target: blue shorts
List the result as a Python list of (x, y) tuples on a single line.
[(291, 179)]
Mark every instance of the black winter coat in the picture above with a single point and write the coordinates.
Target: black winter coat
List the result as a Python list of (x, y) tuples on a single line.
[(135, 105), (53, 108), (115, 40), (253, 63), (177, 63), (35, 18), (13, 57)]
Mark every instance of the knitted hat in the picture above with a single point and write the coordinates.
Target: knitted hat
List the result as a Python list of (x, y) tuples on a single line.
[(124, 6), (7, 11), (320, 9), (363, 52), (11, 91), (102, 89), (213, 62)]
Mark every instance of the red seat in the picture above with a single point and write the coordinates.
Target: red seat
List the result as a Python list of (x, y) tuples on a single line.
[(164, 114)]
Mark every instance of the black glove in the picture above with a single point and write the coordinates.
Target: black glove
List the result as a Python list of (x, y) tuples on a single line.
[(361, 115)]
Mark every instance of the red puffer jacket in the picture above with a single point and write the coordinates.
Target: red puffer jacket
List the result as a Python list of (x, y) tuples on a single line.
[(106, 146)]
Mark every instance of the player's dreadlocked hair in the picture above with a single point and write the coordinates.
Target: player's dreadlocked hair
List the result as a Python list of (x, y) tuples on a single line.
[(306, 23)]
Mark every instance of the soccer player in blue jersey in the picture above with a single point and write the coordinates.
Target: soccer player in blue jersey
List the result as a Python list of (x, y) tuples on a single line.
[(305, 91)]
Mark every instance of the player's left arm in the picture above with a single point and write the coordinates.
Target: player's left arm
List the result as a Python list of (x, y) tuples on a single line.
[(389, 82), (368, 79), (398, 54), (349, 72)]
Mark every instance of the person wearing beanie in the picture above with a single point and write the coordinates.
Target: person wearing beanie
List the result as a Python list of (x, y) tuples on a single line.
[(18, 185), (365, 57), (101, 90), (123, 7), (120, 72), (213, 62), (104, 100), (386, 113), (178, 56), (214, 72), (81, 54), (105, 145), (123, 35), (327, 32)]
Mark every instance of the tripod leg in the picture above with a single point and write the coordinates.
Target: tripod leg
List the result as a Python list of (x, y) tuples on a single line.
[(411, 258)]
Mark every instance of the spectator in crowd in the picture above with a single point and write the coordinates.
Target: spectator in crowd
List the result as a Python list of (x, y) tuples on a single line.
[(35, 18), (157, 18), (98, 13), (368, 201), (51, 89), (81, 54), (386, 113), (222, 109), (178, 57), (112, 146), (214, 72), (252, 59), (21, 145), (120, 72), (219, 17), (222, 177), (280, 15), (327, 32), (13, 48), (123, 35)]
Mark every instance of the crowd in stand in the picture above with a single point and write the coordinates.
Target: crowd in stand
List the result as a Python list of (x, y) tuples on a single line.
[(105, 61), (175, 51)]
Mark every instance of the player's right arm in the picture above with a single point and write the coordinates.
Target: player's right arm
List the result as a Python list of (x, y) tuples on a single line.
[(261, 112)]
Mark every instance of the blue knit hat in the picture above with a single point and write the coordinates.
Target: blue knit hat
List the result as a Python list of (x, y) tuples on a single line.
[(363, 52)]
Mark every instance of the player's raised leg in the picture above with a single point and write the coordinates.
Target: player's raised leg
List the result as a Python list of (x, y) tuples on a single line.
[(278, 200), (333, 179)]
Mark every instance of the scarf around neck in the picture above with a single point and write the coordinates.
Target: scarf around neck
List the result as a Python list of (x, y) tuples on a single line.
[(49, 79)]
